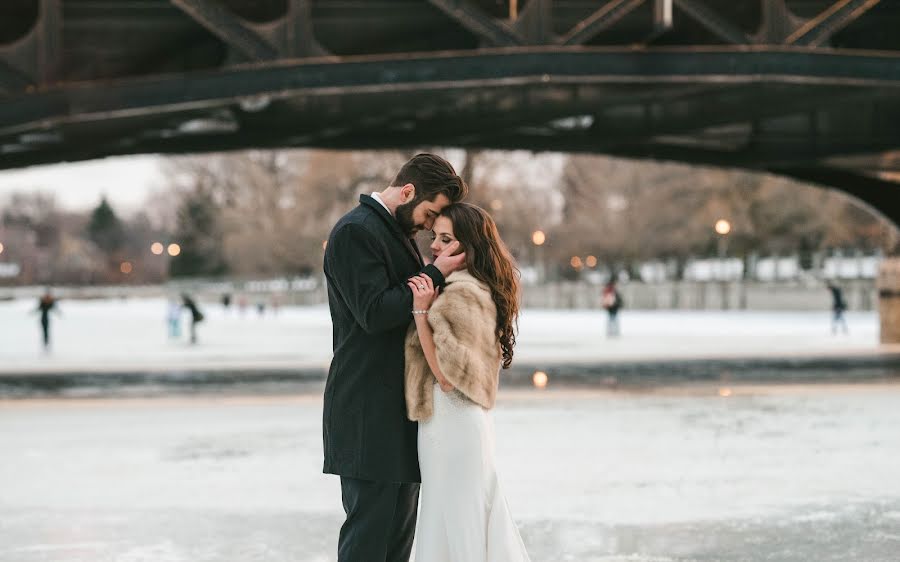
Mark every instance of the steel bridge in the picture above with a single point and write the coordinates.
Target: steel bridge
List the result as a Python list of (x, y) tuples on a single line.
[(808, 89)]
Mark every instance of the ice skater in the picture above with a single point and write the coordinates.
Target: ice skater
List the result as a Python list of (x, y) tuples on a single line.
[(196, 315), (838, 307), (45, 304), (173, 318), (612, 303)]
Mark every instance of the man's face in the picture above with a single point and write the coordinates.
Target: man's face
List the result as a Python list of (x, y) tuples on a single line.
[(422, 216)]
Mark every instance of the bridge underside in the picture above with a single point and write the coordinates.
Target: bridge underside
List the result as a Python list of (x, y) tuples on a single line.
[(708, 93)]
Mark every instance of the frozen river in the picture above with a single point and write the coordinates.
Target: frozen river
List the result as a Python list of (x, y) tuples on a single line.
[(805, 473)]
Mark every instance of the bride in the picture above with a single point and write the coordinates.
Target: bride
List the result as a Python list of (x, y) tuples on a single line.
[(454, 352)]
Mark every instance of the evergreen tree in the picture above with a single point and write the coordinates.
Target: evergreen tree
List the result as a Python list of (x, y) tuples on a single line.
[(105, 228), (199, 234)]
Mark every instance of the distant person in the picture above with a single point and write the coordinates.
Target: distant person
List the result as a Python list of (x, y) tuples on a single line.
[(196, 315), (261, 308), (242, 304), (838, 306), (612, 303), (226, 301), (173, 318), (45, 304)]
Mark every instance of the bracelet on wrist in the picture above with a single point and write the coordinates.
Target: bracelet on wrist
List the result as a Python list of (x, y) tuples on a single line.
[(420, 311)]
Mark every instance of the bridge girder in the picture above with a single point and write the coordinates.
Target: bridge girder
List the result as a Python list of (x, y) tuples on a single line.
[(756, 84)]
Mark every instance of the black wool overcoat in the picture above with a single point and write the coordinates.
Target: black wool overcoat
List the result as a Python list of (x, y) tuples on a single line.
[(368, 260)]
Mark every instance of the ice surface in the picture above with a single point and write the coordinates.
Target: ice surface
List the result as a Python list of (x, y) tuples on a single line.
[(105, 335), (768, 473)]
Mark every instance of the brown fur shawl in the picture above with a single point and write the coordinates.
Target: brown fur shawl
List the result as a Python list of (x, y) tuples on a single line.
[(464, 321)]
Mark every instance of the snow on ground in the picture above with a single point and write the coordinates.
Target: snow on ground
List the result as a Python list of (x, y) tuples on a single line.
[(114, 334)]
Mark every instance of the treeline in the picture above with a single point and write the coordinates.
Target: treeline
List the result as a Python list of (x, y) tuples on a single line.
[(267, 213), (46, 244)]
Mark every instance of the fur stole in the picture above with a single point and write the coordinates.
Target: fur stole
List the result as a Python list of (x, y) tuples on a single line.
[(464, 321)]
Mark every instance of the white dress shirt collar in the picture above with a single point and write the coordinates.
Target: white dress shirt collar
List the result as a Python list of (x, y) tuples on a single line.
[(378, 198)]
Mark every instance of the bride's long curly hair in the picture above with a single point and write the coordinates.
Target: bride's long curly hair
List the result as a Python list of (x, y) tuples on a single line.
[(489, 261)]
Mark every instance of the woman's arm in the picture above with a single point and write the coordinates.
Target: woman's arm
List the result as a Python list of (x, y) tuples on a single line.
[(426, 338), (424, 294)]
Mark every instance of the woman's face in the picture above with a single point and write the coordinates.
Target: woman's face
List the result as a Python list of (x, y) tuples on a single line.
[(441, 236)]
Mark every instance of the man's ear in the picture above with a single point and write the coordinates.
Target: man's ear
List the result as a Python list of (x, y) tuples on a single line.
[(408, 193)]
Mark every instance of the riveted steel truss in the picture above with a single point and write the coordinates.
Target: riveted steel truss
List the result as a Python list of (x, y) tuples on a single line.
[(808, 90)]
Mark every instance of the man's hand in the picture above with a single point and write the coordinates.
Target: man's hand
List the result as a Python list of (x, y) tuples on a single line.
[(448, 263)]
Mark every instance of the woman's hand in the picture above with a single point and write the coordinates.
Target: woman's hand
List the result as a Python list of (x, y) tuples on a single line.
[(424, 294), (423, 291)]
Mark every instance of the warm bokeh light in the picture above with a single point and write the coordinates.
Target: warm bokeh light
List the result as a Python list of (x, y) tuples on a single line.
[(496, 205), (157, 248), (591, 261), (723, 227), (1, 247), (538, 237), (540, 379), (126, 267), (174, 249), (576, 262), (725, 392)]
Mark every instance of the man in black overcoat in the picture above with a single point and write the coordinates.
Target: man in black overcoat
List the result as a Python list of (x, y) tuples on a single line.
[(368, 440)]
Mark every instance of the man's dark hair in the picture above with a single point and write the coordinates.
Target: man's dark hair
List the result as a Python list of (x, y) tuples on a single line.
[(432, 175)]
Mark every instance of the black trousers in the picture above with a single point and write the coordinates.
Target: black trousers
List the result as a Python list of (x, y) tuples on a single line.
[(381, 521)]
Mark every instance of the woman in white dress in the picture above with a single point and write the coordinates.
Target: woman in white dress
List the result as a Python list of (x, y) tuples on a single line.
[(454, 351)]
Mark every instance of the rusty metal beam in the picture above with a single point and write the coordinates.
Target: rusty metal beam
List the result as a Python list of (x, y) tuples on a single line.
[(821, 28), (299, 34), (662, 14), (778, 22), (535, 22), (49, 39), (471, 17), (662, 21), (722, 106), (712, 21), (603, 18), (227, 27), (469, 70)]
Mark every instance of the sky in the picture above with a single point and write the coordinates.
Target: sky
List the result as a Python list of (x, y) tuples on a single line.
[(126, 181)]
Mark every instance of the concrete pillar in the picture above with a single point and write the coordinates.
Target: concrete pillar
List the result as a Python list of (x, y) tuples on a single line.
[(889, 300)]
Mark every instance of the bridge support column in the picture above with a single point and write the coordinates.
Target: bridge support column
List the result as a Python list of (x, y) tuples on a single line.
[(889, 300)]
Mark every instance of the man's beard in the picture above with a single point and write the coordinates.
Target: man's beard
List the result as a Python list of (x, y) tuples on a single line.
[(404, 216)]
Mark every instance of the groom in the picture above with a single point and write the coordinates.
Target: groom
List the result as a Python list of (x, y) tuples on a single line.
[(368, 439)]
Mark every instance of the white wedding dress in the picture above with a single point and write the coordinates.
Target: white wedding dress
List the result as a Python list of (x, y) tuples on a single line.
[(463, 515)]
